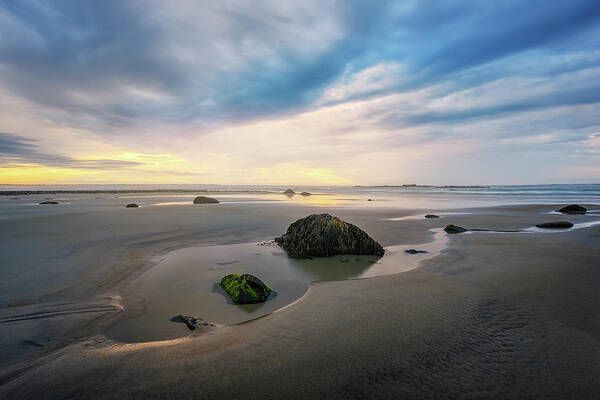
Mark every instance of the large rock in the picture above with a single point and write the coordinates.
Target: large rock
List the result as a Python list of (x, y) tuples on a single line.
[(573, 209), (455, 229), (321, 235), (205, 200), (555, 225), (245, 288)]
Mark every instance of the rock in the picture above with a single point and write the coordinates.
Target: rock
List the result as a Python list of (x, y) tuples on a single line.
[(369, 199), (289, 192), (321, 235), (49, 202), (132, 205), (432, 216), (455, 229), (555, 225), (191, 322), (305, 194), (245, 288), (414, 251), (573, 209), (205, 200)]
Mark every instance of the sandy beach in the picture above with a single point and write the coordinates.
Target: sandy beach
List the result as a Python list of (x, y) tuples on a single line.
[(495, 314)]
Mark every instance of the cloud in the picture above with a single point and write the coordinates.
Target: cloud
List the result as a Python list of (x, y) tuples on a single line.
[(20, 150), (316, 82)]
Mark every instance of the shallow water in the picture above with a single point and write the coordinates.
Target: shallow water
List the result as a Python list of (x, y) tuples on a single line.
[(186, 282)]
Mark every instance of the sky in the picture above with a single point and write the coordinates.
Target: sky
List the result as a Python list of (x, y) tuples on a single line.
[(299, 92)]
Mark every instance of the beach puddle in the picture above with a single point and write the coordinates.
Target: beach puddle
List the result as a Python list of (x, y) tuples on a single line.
[(186, 281)]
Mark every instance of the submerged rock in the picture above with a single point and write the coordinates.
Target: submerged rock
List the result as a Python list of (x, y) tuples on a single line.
[(245, 288), (455, 229), (49, 202), (132, 205), (305, 194), (205, 200), (414, 251), (573, 209), (555, 225), (432, 216), (191, 322), (289, 192), (322, 235)]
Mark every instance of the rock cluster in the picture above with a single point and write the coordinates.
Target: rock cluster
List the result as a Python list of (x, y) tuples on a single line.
[(245, 288), (322, 235), (205, 200)]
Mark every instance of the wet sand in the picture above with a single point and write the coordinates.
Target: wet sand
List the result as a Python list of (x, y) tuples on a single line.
[(494, 316)]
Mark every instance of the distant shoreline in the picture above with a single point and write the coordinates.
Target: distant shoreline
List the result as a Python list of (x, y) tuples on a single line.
[(424, 186), (118, 191)]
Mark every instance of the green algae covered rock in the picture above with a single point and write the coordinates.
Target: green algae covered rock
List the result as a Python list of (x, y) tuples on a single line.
[(322, 235), (245, 288)]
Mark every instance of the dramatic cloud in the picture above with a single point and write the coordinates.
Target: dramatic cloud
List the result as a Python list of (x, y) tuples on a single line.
[(232, 89)]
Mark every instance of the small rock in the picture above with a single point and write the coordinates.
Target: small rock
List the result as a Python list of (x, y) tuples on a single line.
[(305, 194), (49, 202), (205, 200), (414, 251), (555, 225), (289, 192), (432, 216), (369, 199), (191, 322), (132, 205), (573, 209), (455, 229)]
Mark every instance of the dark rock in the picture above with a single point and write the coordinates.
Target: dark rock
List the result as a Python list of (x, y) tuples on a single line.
[(304, 194), (205, 200), (369, 199), (573, 209), (455, 229), (245, 288), (321, 235), (49, 202), (414, 251), (132, 205), (432, 216), (191, 322), (555, 225), (289, 192)]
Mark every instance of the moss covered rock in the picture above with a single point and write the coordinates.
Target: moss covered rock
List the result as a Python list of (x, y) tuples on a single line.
[(245, 288), (205, 200), (322, 235)]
